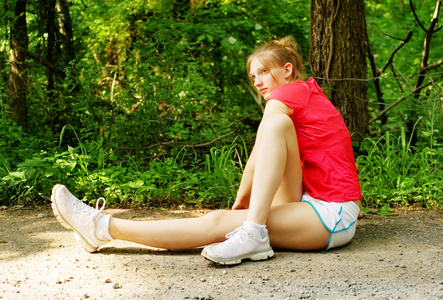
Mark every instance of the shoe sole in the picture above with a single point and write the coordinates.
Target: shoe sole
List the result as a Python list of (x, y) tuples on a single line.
[(78, 236), (237, 260)]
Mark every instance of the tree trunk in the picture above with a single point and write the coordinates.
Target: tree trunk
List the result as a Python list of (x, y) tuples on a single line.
[(18, 75), (3, 73), (338, 58), (65, 30), (49, 11)]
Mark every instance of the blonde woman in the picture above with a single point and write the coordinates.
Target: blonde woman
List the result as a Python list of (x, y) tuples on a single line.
[(299, 189)]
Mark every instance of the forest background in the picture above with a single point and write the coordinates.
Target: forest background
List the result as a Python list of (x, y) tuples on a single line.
[(148, 102)]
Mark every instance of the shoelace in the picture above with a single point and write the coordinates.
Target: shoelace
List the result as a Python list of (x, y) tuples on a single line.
[(88, 211), (239, 233)]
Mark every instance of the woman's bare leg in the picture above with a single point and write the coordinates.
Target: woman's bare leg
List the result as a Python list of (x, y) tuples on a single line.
[(278, 173), (296, 226), (293, 226), (181, 233), (276, 179)]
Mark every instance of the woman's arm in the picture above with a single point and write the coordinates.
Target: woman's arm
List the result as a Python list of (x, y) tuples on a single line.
[(244, 191)]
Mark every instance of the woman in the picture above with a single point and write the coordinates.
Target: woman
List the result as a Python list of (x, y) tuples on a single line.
[(299, 189)]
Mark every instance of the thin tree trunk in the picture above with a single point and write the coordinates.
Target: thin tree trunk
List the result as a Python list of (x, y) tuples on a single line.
[(18, 74), (3, 74), (65, 30), (49, 9)]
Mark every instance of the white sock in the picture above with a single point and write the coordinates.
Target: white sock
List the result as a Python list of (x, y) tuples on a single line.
[(252, 224), (102, 228), (258, 230)]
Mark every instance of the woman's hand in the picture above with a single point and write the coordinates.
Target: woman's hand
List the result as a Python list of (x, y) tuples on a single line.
[(241, 203)]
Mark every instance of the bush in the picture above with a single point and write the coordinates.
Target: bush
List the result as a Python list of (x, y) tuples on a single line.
[(90, 171), (391, 172)]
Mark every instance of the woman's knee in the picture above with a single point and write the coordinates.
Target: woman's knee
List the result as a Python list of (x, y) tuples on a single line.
[(279, 122), (221, 222), (214, 217), (278, 125)]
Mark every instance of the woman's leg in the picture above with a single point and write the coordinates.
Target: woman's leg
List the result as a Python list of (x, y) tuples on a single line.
[(277, 179), (94, 229), (278, 174), (180, 233), (293, 226), (296, 226)]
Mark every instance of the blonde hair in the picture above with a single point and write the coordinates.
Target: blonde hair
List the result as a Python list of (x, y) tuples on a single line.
[(276, 54)]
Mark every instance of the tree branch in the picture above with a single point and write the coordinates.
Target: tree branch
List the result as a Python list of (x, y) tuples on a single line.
[(84, 4), (180, 145), (257, 99), (434, 65), (391, 58), (376, 73), (436, 12), (375, 76), (404, 98), (427, 46), (392, 37), (213, 141), (393, 70), (402, 76), (416, 17), (42, 61)]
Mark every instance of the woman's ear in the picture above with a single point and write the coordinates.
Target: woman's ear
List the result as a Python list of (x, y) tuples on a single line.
[(288, 70)]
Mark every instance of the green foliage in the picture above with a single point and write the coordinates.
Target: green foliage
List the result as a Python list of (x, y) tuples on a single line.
[(391, 172), (91, 172), (389, 22), (23, 170), (156, 110), (156, 77), (223, 170)]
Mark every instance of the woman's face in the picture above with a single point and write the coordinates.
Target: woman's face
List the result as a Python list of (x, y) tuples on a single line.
[(267, 79)]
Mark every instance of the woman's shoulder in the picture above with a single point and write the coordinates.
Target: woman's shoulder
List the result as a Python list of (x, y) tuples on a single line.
[(309, 86), (294, 89), (293, 94), (310, 83)]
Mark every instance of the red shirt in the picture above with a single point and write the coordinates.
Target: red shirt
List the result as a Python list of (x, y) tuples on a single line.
[(327, 159)]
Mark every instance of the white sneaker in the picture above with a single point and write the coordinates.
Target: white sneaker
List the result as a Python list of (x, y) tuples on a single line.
[(244, 242), (83, 219)]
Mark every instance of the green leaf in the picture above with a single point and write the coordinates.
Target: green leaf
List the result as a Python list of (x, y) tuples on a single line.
[(136, 184), (365, 210), (232, 40), (385, 211)]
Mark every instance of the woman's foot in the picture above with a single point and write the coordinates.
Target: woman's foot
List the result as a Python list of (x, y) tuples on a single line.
[(90, 225), (245, 242)]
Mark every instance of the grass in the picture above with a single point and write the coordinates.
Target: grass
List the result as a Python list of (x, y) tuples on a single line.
[(392, 173)]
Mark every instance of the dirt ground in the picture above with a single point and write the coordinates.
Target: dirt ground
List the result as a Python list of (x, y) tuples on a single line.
[(396, 257)]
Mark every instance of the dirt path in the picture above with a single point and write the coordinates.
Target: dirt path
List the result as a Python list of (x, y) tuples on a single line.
[(397, 257)]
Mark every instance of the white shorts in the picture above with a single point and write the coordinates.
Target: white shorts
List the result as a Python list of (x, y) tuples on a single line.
[(340, 218)]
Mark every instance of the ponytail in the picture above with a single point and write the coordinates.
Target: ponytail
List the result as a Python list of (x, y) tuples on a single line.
[(278, 53)]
